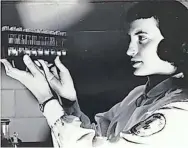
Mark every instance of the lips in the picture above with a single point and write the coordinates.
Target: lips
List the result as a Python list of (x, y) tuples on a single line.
[(136, 64)]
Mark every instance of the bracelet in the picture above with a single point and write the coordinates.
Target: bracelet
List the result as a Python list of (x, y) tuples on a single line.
[(42, 105)]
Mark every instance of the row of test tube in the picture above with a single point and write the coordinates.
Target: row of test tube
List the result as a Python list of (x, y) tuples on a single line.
[(34, 40), (59, 33), (17, 51)]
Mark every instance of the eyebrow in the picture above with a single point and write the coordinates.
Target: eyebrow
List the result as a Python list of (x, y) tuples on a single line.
[(140, 32)]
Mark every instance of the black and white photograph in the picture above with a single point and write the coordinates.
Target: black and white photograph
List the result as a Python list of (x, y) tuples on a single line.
[(94, 73)]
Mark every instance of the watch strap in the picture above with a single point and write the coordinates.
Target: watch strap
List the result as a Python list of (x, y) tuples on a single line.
[(42, 105)]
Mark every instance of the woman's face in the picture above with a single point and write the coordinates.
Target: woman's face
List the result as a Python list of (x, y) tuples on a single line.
[(145, 37)]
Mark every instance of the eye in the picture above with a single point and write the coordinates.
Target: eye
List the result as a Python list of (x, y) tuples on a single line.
[(128, 38), (142, 39)]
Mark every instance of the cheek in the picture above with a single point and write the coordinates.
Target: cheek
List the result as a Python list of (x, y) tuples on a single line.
[(149, 50)]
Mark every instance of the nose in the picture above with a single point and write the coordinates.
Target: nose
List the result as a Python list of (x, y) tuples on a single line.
[(132, 51)]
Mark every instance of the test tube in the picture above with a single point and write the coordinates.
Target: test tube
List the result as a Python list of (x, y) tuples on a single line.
[(58, 52), (12, 28), (46, 52), (37, 40), (10, 39), (41, 40), (33, 40), (34, 52), (64, 52), (53, 52), (28, 39), (51, 32), (18, 39), (57, 32), (45, 40), (48, 41), (63, 33), (19, 29), (14, 38), (27, 51), (52, 41), (14, 51), (27, 30), (4, 28), (23, 39), (10, 51), (40, 52), (20, 51)]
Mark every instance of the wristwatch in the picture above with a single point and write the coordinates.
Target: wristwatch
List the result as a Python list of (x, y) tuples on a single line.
[(42, 105)]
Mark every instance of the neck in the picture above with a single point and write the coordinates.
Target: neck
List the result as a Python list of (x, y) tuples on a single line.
[(154, 80)]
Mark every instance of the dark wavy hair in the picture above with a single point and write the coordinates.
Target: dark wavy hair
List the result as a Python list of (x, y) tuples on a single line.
[(172, 18)]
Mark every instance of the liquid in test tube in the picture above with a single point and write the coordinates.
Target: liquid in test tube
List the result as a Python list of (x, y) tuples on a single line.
[(40, 52), (38, 40), (26, 39), (58, 52), (17, 39), (53, 52), (33, 40), (10, 39), (34, 52), (64, 52), (20, 51), (27, 51), (14, 51), (10, 51), (42, 40), (23, 39), (46, 51), (29, 39)]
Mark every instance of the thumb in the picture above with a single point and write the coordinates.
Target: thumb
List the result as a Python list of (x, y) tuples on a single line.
[(64, 72), (54, 71), (59, 65), (47, 72)]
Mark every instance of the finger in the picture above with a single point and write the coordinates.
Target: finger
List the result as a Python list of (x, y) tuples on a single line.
[(39, 66), (13, 72), (53, 81), (64, 72), (7, 65), (37, 63), (47, 72), (50, 65), (30, 65), (60, 66), (54, 71), (13, 63), (46, 62)]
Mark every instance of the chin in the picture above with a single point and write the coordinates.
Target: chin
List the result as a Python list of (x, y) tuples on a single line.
[(142, 73)]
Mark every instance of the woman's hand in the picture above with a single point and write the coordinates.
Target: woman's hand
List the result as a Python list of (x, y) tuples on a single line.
[(61, 83), (34, 81)]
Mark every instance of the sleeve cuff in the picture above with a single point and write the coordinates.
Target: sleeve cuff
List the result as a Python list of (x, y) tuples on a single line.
[(53, 111)]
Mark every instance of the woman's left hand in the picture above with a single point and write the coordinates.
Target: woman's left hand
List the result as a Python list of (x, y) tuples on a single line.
[(34, 81)]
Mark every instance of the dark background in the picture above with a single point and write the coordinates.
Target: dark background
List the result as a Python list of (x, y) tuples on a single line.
[(96, 57)]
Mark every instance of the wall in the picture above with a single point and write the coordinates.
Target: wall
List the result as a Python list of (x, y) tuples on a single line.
[(96, 59)]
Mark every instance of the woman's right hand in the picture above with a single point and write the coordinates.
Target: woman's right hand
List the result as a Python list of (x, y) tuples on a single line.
[(61, 83)]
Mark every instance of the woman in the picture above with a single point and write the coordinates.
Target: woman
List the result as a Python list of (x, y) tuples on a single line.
[(152, 115)]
